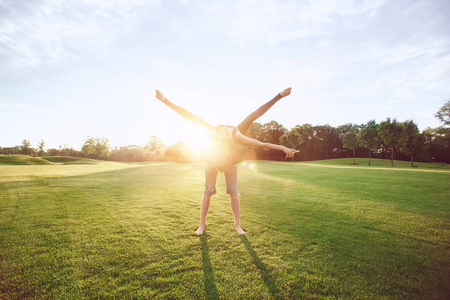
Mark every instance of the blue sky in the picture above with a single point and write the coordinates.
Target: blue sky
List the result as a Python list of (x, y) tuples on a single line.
[(72, 69)]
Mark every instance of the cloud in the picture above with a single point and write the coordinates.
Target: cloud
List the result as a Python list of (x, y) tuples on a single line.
[(276, 21), (51, 32)]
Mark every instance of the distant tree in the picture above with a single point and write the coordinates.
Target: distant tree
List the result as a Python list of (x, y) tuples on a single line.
[(41, 148), (291, 139), (444, 113), (96, 148), (341, 131), (26, 148), (153, 144), (392, 134), (53, 152), (130, 153), (66, 150), (327, 141), (10, 150), (368, 137), (412, 144), (437, 142), (88, 147), (307, 135), (255, 131), (350, 141), (438, 139), (272, 132)]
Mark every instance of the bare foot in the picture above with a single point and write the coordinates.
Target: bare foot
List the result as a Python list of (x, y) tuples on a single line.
[(239, 230), (285, 92), (200, 229), (160, 96)]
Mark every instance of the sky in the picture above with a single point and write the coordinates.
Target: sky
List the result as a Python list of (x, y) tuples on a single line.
[(70, 69)]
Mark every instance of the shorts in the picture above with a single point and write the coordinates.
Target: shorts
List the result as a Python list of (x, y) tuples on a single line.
[(211, 177)]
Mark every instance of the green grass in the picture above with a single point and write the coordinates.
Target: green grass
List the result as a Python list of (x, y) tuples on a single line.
[(22, 160), (45, 160), (363, 162), (316, 230), (67, 160)]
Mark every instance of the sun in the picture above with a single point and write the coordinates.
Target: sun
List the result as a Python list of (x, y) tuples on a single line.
[(197, 139)]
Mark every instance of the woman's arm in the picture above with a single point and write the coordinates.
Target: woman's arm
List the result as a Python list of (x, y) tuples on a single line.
[(183, 112), (252, 143)]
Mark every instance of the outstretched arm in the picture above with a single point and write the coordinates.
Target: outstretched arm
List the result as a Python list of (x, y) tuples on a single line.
[(183, 112), (245, 125), (252, 143)]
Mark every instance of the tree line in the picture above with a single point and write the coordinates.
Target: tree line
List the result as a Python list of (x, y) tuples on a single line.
[(93, 147), (389, 139)]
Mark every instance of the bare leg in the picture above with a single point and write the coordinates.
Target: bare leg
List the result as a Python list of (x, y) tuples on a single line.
[(245, 125), (210, 189), (183, 112), (206, 200), (234, 203)]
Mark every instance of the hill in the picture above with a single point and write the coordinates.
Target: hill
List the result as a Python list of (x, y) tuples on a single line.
[(22, 160), (45, 160)]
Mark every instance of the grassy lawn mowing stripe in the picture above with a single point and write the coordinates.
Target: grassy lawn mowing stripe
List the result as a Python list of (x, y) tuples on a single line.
[(112, 230)]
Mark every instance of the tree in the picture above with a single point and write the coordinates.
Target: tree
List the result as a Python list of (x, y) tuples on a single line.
[(291, 139), (154, 144), (327, 141), (10, 150), (437, 142), (66, 150), (444, 113), (307, 135), (53, 152), (341, 150), (412, 144), (26, 148), (350, 141), (272, 132), (128, 153), (255, 131), (392, 134), (41, 148), (368, 137), (96, 148)]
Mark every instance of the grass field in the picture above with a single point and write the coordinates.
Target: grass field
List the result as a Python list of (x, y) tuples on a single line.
[(77, 229)]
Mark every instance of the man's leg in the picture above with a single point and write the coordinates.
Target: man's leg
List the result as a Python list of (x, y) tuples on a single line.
[(210, 189), (245, 125)]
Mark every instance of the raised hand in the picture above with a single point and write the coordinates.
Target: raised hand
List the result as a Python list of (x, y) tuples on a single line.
[(285, 92)]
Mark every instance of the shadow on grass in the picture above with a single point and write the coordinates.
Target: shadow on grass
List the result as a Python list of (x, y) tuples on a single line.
[(265, 274), (208, 274)]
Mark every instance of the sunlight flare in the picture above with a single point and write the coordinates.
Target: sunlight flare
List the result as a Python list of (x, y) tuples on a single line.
[(198, 139)]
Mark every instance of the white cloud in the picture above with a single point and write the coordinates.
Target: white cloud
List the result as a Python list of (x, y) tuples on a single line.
[(274, 21), (34, 33)]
